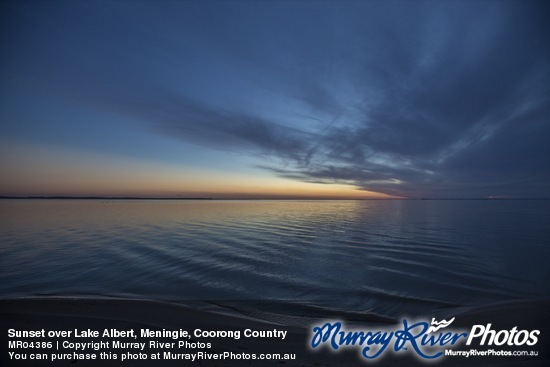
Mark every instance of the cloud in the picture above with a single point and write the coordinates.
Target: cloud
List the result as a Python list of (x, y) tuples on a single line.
[(451, 103), (416, 99)]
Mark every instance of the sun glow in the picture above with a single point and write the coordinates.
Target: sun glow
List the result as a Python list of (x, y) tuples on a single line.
[(45, 171)]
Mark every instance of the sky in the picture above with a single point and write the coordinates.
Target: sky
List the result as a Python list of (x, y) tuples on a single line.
[(275, 99)]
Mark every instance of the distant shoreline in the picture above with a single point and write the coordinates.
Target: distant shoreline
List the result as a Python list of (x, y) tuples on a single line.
[(252, 199), (95, 198)]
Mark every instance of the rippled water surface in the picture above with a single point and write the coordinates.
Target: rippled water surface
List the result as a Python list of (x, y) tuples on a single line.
[(386, 257)]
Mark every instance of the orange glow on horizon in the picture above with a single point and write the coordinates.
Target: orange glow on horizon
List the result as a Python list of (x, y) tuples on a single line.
[(35, 171)]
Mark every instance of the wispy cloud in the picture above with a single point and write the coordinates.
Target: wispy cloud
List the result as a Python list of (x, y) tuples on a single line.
[(406, 98)]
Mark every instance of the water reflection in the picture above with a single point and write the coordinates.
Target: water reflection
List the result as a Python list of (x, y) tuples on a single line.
[(387, 256)]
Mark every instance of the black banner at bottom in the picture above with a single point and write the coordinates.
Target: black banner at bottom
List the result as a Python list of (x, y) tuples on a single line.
[(106, 332)]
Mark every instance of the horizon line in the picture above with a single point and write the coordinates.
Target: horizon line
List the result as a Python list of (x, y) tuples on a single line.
[(63, 197)]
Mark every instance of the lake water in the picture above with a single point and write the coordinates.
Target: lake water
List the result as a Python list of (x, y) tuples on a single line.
[(305, 257)]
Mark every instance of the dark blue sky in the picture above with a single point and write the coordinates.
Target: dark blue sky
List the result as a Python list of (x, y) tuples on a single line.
[(414, 99)]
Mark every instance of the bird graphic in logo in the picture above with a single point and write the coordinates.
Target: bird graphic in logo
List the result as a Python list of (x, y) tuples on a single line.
[(439, 325)]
